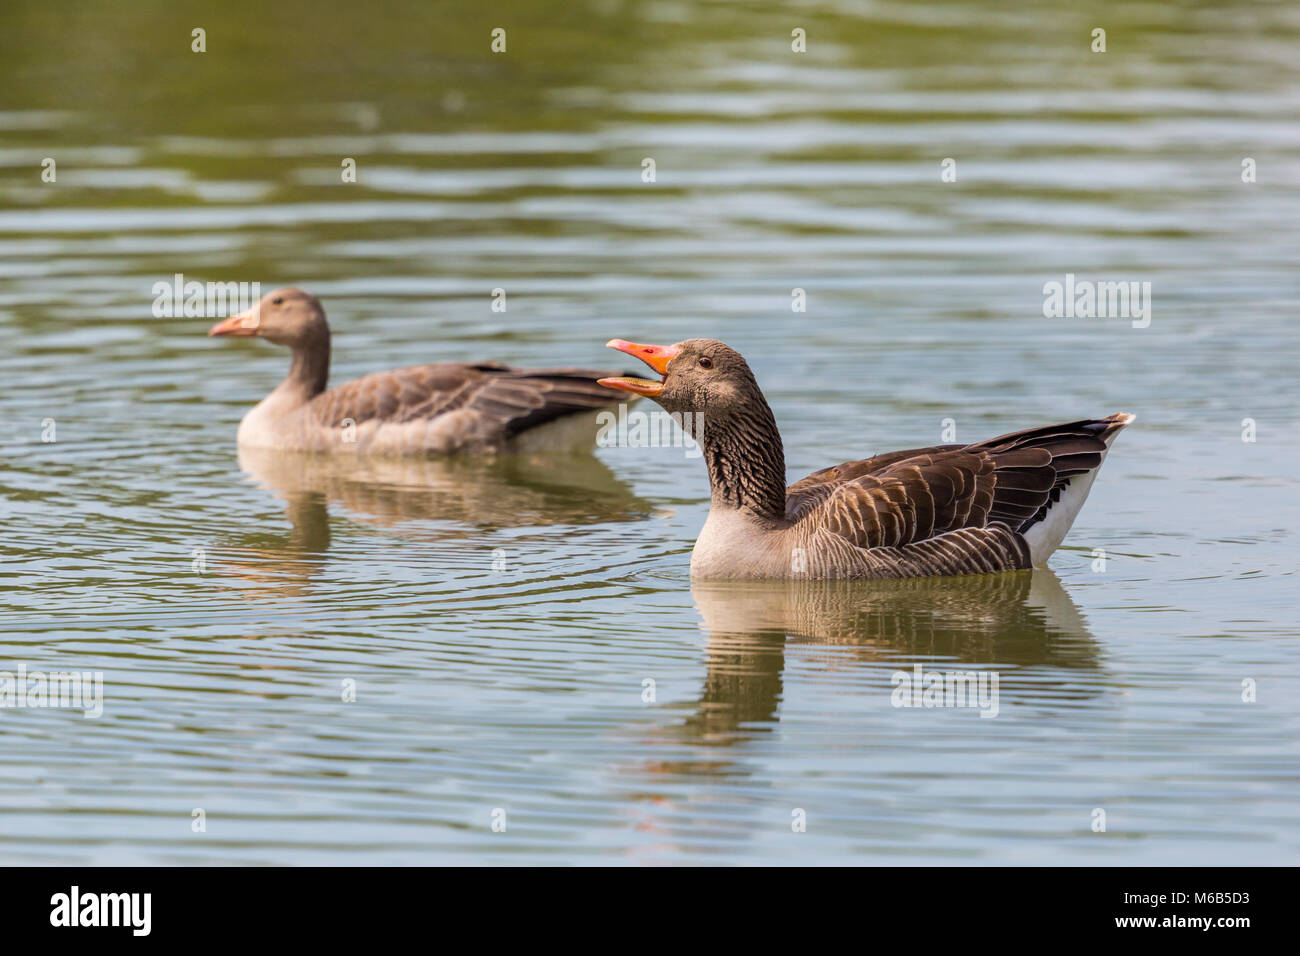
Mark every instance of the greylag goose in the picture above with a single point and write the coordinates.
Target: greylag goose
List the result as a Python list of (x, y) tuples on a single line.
[(421, 410), (998, 505)]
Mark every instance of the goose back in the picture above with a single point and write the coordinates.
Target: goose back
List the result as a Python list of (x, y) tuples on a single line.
[(437, 409)]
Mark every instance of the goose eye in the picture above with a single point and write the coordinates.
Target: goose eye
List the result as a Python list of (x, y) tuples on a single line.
[(706, 363)]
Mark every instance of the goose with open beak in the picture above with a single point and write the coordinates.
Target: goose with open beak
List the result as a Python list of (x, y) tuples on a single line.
[(999, 505), (422, 410)]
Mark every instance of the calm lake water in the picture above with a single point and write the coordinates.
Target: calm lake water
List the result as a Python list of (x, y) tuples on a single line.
[(500, 619)]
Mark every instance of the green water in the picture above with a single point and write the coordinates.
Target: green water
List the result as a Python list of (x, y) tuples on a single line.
[(500, 621)]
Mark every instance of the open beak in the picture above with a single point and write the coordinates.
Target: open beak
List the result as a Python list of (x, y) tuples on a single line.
[(244, 323), (656, 356)]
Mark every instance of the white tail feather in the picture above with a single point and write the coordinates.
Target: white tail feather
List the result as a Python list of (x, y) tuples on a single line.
[(1046, 536)]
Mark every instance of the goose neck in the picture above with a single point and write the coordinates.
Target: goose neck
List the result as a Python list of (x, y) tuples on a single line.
[(746, 462), (309, 370)]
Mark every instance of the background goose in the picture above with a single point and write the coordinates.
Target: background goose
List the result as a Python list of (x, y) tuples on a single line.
[(999, 505), (421, 410)]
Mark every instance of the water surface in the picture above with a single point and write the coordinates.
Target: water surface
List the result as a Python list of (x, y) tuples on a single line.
[(500, 620)]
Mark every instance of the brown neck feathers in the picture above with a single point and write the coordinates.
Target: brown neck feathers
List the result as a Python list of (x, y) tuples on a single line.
[(742, 449), (310, 370)]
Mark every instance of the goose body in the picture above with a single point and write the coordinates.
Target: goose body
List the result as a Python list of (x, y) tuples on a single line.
[(423, 410), (999, 505)]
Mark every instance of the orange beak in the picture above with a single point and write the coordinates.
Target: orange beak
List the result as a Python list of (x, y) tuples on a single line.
[(243, 324), (656, 356)]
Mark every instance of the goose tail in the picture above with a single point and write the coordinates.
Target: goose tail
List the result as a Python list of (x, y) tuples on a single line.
[(1113, 425), (1045, 534)]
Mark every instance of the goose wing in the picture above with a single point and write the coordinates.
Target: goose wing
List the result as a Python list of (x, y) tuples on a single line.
[(908, 497), (509, 400), (515, 400)]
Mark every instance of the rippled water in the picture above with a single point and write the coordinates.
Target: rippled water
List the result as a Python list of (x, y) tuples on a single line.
[(500, 619)]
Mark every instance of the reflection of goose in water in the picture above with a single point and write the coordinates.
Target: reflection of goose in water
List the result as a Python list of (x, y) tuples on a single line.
[(1021, 623), (443, 495), (509, 491)]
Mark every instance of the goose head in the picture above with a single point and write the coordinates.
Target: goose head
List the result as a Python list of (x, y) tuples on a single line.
[(287, 316), (698, 375), (729, 417)]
